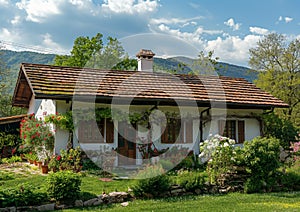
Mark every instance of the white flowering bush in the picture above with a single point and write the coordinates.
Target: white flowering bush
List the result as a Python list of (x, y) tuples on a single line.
[(212, 144), (220, 154)]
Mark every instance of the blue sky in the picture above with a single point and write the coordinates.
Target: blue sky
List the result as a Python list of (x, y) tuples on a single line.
[(168, 27)]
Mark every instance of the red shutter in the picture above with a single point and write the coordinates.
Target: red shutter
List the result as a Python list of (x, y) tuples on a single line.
[(241, 131), (164, 134), (189, 131), (109, 131)]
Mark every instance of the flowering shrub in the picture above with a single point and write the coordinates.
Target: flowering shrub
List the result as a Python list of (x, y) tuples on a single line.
[(221, 155), (209, 146), (54, 162), (296, 149), (67, 160), (36, 133)]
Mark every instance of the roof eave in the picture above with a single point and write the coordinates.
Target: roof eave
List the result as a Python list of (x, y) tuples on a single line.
[(160, 101)]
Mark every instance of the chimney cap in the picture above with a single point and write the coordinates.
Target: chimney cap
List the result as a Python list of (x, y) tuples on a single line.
[(145, 53)]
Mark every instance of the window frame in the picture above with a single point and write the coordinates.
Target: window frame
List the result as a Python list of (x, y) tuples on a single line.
[(170, 135), (89, 133), (239, 129)]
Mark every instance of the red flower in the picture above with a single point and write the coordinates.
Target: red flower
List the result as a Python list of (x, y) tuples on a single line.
[(37, 125), (58, 158)]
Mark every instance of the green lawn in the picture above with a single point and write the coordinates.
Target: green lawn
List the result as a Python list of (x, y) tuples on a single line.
[(230, 202), (93, 184)]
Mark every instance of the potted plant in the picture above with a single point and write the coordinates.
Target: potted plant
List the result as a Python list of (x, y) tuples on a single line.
[(54, 163)]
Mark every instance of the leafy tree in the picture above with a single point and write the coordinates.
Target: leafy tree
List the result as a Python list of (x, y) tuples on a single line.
[(84, 49), (282, 129), (126, 64), (92, 53), (205, 64), (279, 63)]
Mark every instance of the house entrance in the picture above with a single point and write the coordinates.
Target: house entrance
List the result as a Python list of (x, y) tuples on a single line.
[(126, 144)]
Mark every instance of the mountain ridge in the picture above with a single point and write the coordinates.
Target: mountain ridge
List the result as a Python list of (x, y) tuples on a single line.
[(181, 65)]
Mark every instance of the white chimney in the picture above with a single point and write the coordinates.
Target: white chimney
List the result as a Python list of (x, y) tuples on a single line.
[(145, 60)]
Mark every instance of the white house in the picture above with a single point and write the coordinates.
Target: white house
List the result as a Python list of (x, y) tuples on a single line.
[(170, 110)]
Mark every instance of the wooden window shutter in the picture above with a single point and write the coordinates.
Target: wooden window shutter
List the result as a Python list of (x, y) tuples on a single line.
[(241, 131), (178, 132), (109, 131), (221, 124), (189, 131), (81, 132), (164, 134)]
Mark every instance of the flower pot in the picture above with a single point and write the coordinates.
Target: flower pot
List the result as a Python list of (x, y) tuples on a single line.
[(45, 169), (35, 162), (30, 161), (39, 164)]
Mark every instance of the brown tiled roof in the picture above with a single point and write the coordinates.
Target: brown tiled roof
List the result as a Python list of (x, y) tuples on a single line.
[(12, 119), (55, 82)]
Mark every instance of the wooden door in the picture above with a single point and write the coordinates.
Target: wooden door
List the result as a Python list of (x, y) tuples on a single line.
[(126, 144)]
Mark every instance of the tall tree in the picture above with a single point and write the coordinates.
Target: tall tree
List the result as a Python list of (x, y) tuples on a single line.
[(205, 64), (279, 63), (92, 53)]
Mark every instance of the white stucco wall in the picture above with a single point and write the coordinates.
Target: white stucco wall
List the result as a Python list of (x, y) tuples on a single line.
[(62, 136), (252, 125)]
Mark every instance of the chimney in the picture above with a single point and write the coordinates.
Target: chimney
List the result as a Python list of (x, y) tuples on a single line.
[(145, 60)]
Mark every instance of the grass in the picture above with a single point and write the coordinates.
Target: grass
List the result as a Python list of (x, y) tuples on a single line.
[(92, 184), (230, 202)]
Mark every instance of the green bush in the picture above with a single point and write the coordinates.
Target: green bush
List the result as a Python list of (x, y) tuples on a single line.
[(191, 180), (63, 186), (152, 182), (290, 179), (261, 157), (12, 159), (10, 142), (280, 129), (24, 195)]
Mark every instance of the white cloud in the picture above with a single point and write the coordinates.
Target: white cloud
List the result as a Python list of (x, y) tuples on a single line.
[(288, 19), (16, 20), (174, 20), (259, 30), (38, 10), (233, 49), (194, 37), (4, 2), (285, 19), (50, 44), (231, 23), (130, 6)]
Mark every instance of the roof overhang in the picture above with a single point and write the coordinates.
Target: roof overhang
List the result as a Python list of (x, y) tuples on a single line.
[(23, 91), (157, 101)]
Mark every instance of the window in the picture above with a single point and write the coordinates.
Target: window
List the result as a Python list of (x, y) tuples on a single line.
[(233, 129), (174, 132), (100, 132)]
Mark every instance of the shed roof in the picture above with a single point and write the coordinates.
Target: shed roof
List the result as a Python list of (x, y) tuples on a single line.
[(57, 82)]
